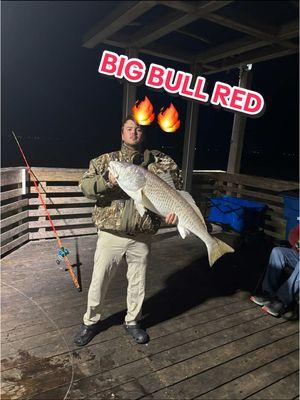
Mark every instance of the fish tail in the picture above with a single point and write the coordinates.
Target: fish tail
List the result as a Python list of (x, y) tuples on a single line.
[(216, 249)]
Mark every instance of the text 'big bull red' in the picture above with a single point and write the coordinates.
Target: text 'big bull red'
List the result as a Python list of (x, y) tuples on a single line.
[(179, 82)]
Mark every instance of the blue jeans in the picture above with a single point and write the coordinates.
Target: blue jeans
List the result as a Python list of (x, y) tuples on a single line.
[(280, 258)]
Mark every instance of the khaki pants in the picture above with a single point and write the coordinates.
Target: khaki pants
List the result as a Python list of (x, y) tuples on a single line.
[(109, 252)]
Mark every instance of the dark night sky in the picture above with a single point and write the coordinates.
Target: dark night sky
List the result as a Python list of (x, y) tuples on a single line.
[(66, 113)]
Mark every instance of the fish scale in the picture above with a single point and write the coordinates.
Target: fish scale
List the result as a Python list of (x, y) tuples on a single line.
[(170, 201), (150, 191)]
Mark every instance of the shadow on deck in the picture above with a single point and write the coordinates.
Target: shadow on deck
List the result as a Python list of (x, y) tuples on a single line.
[(207, 339)]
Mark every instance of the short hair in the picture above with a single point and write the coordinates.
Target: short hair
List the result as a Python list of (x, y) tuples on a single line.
[(129, 117)]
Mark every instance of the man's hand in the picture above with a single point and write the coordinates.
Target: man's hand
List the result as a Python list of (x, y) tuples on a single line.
[(112, 179), (171, 219)]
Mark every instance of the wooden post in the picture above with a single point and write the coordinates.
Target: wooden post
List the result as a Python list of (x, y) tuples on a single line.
[(190, 138), (129, 89), (238, 128), (24, 178), (42, 231)]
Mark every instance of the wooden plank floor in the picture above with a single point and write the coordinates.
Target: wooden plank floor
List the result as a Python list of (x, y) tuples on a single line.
[(208, 341)]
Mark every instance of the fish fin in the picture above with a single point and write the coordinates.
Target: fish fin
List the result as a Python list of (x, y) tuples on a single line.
[(192, 203), (138, 202), (140, 208), (216, 249), (167, 178), (183, 231)]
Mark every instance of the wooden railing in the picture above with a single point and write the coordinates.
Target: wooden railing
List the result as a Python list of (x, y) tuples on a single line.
[(14, 209), (208, 184), (23, 218), (69, 209)]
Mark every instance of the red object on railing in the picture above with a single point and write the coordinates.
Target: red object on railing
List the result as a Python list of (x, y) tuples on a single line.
[(59, 242)]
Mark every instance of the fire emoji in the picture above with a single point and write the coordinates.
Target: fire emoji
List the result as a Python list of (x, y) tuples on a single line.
[(168, 119), (143, 111)]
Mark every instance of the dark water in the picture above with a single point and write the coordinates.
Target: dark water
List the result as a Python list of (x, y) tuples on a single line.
[(77, 153), (273, 165)]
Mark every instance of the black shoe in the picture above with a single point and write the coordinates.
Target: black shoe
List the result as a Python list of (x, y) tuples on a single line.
[(86, 334), (138, 334), (262, 300), (292, 314), (276, 308)]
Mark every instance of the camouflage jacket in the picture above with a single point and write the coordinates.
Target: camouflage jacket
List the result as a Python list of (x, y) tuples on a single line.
[(114, 209)]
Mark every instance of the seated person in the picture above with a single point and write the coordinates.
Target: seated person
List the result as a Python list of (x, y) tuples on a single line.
[(277, 299)]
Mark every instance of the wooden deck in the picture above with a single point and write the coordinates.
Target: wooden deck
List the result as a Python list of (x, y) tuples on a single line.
[(208, 341)]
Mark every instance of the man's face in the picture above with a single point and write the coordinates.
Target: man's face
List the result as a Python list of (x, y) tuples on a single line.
[(132, 133)]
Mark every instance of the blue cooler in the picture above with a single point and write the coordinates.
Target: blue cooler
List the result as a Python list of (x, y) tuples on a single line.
[(240, 214), (290, 212)]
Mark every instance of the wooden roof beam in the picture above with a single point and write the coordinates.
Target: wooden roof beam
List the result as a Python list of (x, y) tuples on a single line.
[(265, 33), (162, 51), (169, 52), (173, 21), (193, 36), (229, 49), (179, 5), (289, 30), (120, 16), (253, 57)]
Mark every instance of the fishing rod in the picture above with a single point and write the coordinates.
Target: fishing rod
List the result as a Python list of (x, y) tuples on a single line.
[(63, 252)]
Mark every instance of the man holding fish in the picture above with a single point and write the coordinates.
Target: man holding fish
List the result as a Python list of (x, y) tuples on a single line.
[(121, 230), (134, 191)]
